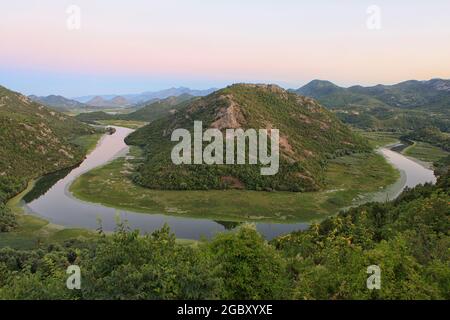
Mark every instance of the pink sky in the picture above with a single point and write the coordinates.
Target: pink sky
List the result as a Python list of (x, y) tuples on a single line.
[(289, 42)]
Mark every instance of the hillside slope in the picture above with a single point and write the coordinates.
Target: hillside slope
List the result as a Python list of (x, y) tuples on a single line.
[(58, 102), (431, 95), (158, 109), (333, 96), (34, 140), (309, 135), (147, 113), (408, 105)]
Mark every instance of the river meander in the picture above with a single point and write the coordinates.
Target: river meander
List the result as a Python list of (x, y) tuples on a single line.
[(56, 204)]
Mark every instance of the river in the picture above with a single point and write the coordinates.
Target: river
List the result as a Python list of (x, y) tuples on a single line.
[(51, 199)]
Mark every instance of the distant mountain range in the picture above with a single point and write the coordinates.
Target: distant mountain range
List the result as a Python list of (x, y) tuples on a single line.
[(430, 95), (116, 102), (148, 113), (141, 98), (408, 105), (57, 102)]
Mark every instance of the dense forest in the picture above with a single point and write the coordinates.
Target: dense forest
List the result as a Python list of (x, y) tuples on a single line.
[(407, 238)]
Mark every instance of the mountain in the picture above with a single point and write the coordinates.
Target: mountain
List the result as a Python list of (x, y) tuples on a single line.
[(96, 102), (34, 140), (434, 94), (116, 102), (174, 92), (119, 101), (158, 109), (408, 105), (151, 96), (58, 102), (333, 96), (309, 135), (150, 112)]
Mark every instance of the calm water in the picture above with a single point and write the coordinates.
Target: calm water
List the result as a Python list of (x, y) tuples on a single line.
[(51, 200)]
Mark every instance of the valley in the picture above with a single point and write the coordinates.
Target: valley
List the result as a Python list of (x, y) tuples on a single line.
[(351, 180), (108, 177), (111, 186), (109, 190), (220, 153)]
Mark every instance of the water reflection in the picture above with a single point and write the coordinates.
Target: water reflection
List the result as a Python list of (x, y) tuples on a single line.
[(45, 183)]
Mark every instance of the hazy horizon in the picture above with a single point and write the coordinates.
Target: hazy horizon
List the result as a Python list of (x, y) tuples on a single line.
[(137, 46)]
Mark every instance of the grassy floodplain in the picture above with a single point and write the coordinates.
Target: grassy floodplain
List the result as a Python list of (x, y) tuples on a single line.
[(380, 138), (131, 124), (347, 177), (425, 152), (88, 142)]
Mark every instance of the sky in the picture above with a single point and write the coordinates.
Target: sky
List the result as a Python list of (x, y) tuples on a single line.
[(84, 47)]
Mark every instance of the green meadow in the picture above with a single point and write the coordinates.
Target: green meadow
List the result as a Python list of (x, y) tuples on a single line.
[(426, 152), (346, 178)]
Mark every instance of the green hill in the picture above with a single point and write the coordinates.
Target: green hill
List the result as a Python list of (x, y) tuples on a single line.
[(158, 109), (92, 117), (309, 135), (431, 95), (147, 113), (404, 106), (333, 96), (34, 140)]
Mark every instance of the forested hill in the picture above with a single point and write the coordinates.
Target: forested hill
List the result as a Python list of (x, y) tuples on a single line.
[(431, 95), (309, 135), (158, 109), (408, 105), (34, 140), (146, 113)]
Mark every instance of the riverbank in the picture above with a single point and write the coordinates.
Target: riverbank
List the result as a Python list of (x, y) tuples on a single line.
[(426, 153), (32, 230), (347, 178)]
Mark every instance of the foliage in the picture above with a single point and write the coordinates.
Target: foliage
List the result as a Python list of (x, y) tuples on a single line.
[(34, 140), (250, 268), (408, 105), (7, 219), (431, 135), (309, 134), (407, 238)]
